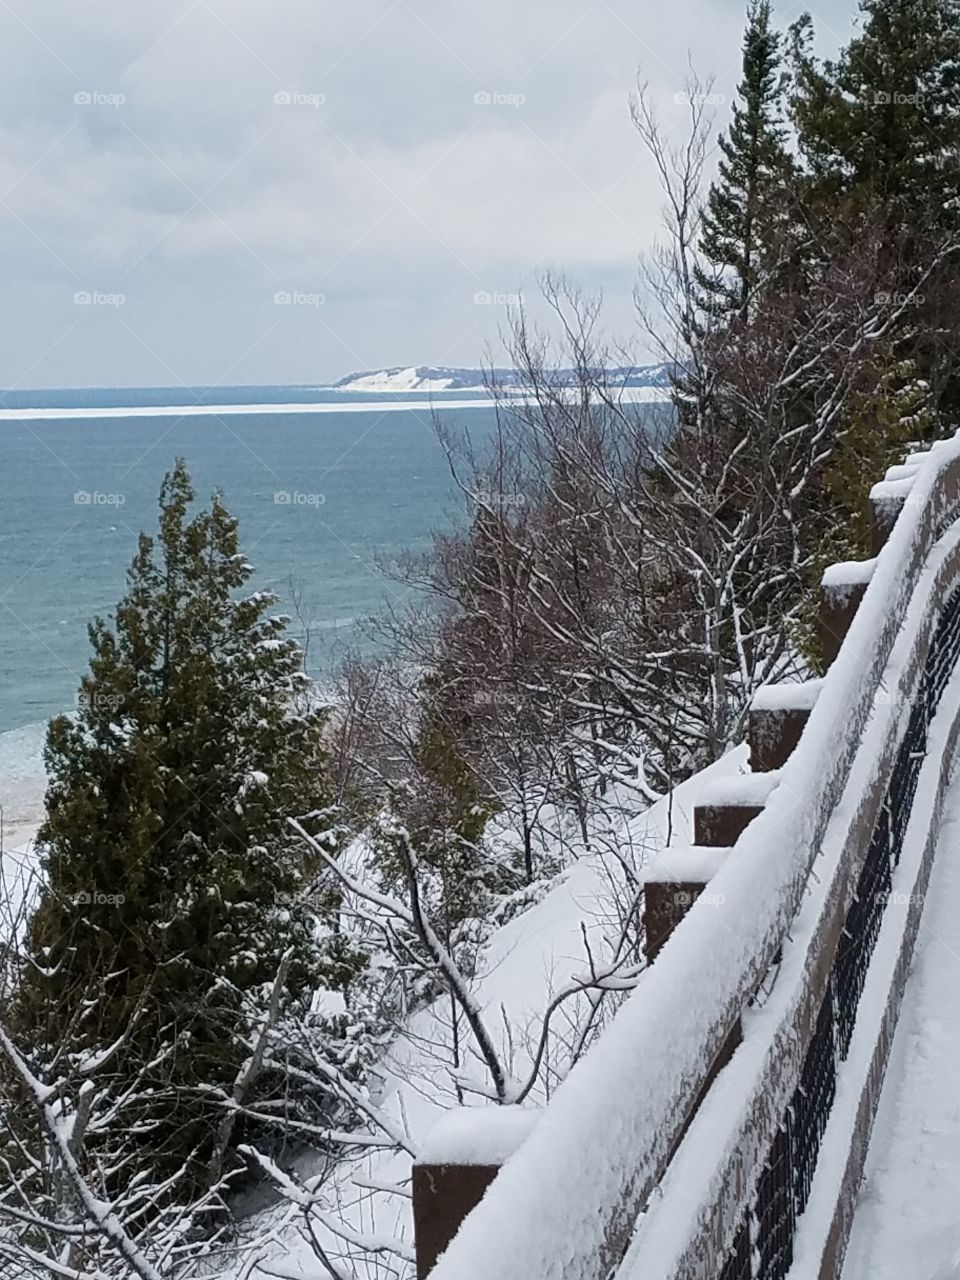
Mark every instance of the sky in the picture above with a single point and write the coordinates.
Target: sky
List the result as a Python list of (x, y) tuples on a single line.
[(230, 191)]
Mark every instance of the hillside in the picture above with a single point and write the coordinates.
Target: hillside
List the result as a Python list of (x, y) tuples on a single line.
[(441, 378)]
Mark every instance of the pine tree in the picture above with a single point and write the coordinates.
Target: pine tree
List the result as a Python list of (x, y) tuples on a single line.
[(745, 208), (879, 129), (173, 883), (881, 122), (890, 413), (444, 806)]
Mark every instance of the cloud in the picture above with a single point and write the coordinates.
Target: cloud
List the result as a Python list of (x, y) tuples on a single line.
[(396, 157)]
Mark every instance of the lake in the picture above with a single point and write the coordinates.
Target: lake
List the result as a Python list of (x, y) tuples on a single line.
[(324, 496)]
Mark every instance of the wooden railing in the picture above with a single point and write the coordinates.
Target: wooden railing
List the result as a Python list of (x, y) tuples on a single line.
[(648, 1163)]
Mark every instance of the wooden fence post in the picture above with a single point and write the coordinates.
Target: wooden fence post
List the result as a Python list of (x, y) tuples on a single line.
[(776, 719), (841, 590), (887, 499), (461, 1156)]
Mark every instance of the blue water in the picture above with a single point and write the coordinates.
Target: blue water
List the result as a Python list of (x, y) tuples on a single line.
[(382, 480)]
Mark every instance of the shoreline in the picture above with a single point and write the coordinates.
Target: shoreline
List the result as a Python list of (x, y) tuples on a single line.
[(23, 783)]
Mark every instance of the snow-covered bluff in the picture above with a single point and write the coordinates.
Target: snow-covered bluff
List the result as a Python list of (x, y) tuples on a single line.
[(442, 378)]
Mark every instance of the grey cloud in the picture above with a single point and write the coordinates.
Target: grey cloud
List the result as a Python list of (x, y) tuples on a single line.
[(186, 183)]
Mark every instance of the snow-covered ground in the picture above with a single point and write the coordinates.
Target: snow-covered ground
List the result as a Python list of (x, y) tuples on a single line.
[(21, 783), (908, 1215), (415, 378), (443, 378), (521, 967)]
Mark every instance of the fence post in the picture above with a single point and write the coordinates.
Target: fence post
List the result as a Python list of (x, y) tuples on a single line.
[(665, 903), (886, 501), (841, 590), (728, 805), (461, 1156), (775, 722)]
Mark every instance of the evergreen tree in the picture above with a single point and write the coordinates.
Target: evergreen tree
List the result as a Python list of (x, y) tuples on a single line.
[(882, 121), (746, 206), (890, 413), (444, 807), (879, 129), (173, 884)]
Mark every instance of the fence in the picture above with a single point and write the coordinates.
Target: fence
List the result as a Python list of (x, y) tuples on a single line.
[(643, 1164)]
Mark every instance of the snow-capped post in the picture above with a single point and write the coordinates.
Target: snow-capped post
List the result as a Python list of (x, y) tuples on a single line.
[(726, 806), (671, 888), (718, 824), (460, 1157), (887, 500), (669, 892), (842, 588), (777, 716)]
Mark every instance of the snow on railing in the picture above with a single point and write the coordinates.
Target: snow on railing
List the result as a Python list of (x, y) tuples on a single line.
[(565, 1205), (735, 1154)]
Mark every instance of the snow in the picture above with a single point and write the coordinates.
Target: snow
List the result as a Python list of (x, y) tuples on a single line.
[(692, 865), (916, 459), (706, 1165), (891, 493), (477, 1135), (237, 410), (400, 380), (509, 381), (520, 968), (479, 400), (610, 1120), (912, 1175), (904, 470), (22, 787), (601, 1144), (848, 573), (744, 789), (797, 695), (328, 1003), (907, 1221)]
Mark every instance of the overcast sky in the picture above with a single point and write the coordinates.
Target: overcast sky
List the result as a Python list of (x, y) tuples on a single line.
[(178, 166)]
